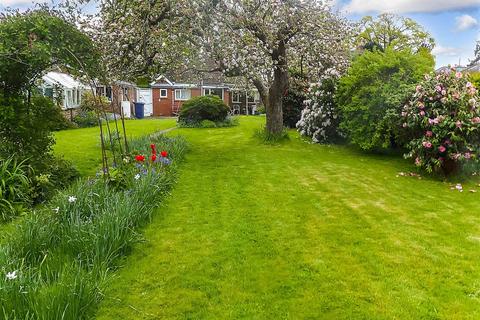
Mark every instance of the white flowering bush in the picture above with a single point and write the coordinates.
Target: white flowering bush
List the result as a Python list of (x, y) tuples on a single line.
[(320, 118)]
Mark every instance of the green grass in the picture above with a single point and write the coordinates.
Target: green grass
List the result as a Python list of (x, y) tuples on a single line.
[(300, 231), (82, 146)]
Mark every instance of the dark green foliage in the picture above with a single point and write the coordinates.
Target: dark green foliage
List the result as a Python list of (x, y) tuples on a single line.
[(228, 122), (85, 119), (14, 187), (25, 129), (373, 92), (293, 103), (203, 108), (36, 41)]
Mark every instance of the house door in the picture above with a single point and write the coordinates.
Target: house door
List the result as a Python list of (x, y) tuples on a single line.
[(145, 96)]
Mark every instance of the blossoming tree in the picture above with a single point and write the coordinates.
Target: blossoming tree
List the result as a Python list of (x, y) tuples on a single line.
[(256, 40), (262, 40)]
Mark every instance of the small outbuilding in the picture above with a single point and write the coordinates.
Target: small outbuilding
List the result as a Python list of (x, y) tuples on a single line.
[(64, 89)]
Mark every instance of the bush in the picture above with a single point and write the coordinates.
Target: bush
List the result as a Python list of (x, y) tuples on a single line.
[(92, 103), (373, 92), (26, 130), (320, 118), (86, 119), (442, 119), (14, 187), (207, 124), (197, 109), (293, 103)]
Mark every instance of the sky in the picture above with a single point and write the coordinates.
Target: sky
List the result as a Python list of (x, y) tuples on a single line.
[(454, 24)]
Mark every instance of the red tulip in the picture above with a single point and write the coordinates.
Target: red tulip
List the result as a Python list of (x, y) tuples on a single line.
[(140, 158), (164, 154), (153, 149), (154, 157)]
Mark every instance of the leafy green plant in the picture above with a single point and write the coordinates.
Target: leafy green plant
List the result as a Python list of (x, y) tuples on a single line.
[(86, 118), (207, 124), (293, 102), (14, 187), (201, 108), (371, 95)]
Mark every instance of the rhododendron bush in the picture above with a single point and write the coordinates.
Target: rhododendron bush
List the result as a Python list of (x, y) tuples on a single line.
[(443, 120), (320, 118)]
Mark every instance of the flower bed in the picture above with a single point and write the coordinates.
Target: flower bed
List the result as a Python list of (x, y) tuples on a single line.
[(56, 262)]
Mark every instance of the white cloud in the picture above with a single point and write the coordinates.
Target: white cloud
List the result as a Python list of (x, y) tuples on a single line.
[(466, 22), (446, 51), (407, 6), (21, 3)]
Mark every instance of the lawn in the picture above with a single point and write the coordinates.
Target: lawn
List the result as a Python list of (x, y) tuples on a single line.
[(82, 146), (300, 231)]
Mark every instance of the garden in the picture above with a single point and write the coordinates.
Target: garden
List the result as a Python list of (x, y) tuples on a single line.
[(353, 196)]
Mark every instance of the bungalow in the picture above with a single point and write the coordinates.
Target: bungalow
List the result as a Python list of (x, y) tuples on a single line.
[(169, 96), (63, 88)]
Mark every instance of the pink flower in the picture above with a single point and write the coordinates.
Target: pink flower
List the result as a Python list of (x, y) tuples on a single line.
[(456, 96), (442, 149), (427, 144), (444, 92), (434, 121), (476, 120), (458, 75), (456, 156), (418, 88), (458, 124), (469, 85), (422, 113), (429, 134), (438, 88), (467, 155), (418, 162), (421, 105), (441, 159), (448, 142)]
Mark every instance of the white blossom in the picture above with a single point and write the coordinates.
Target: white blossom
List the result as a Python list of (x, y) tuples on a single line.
[(12, 275)]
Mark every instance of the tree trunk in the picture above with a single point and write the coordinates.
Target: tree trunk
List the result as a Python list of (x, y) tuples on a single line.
[(273, 99)]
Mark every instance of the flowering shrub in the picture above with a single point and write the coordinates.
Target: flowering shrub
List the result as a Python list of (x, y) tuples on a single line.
[(320, 118), (443, 121)]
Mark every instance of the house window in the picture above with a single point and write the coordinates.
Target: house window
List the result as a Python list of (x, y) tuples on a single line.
[(236, 97), (69, 99), (213, 92), (125, 94), (163, 93), (182, 94), (48, 92), (254, 97)]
